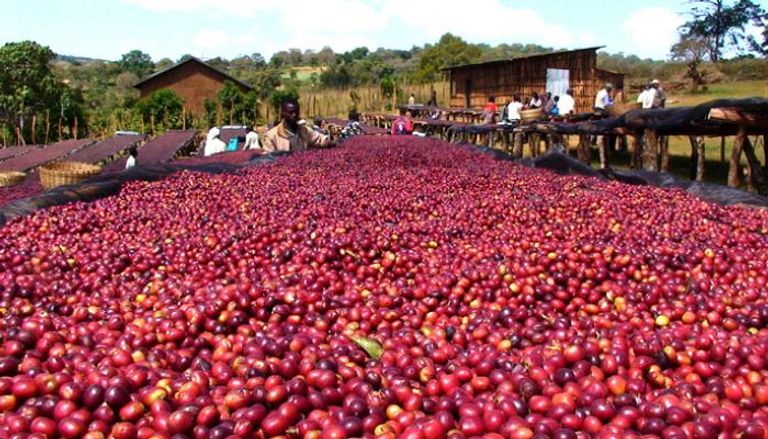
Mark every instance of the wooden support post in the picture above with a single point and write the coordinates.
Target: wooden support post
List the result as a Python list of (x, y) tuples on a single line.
[(702, 147), (583, 151), (694, 156), (554, 139), (722, 149), (650, 151), (533, 143), (33, 133), (664, 147), (505, 140), (734, 177), (765, 153), (602, 146), (756, 174), (517, 144), (697, 157), (47, 125), (637, 148)]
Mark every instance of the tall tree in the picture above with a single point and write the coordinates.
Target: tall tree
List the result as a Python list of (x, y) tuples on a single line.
[(450, 50), (692, 51), (28, 88), (162, 109), (723, 25), (137, 62)]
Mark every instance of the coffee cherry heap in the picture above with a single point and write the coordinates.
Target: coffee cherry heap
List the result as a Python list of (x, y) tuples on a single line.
[(392, 287)]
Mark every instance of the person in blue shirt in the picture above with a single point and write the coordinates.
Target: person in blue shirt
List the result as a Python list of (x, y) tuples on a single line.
[(555, 109)]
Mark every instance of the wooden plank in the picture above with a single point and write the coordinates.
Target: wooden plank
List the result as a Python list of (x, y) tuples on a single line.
[(734, 177), (650, 151), (741, 116)]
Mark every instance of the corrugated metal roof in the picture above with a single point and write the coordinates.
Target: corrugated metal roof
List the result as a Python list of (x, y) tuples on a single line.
[(504, 61), (198, 61)]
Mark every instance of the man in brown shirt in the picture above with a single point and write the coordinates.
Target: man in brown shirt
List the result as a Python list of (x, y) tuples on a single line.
[(290, 135)]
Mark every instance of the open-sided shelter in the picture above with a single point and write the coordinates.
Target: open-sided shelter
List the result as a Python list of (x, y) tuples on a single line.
[(472, 84), (193, 80)]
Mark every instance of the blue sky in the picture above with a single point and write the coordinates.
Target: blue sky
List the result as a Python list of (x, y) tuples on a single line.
[(208, 28)]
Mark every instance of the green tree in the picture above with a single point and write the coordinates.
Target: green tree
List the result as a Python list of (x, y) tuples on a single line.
[(279, 96), (326, 56), (162, 110), (449, 51), (163, 64), (137, 62), (230, 98), (258, 60), (28, 88), (692, 51), (722, 25)]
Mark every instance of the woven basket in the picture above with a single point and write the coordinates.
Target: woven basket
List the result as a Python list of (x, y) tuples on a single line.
[(531, 115), (11, 178), (63, 173)]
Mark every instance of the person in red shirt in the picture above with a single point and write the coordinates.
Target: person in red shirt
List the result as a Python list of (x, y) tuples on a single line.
[(403, 124), (490, 106), (489, 111)]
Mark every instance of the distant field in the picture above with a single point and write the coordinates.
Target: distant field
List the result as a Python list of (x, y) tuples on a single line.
[(725, 90), (305, 72)]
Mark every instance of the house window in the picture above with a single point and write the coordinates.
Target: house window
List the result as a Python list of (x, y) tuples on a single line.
[(558, 81)]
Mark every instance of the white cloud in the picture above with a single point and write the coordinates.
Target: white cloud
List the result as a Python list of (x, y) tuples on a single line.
[(345, 24), (211, 38), (652, 31), (341, 24), (480, 23), (244, 7)]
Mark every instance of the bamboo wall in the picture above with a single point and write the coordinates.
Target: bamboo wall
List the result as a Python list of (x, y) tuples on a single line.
[(338, 102), (527, 75)]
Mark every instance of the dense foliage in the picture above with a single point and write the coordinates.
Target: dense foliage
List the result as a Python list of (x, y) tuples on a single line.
[(34, 104)]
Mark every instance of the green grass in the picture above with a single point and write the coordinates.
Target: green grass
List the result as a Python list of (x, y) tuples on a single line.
[(743, 89), (715, 170)]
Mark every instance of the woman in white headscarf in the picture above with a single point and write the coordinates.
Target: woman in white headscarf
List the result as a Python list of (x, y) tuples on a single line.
[(213, 145)]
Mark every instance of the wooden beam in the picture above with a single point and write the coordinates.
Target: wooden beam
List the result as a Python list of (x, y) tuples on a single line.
[(734, 178), (650, 151), (756, 174), (741, 116)]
